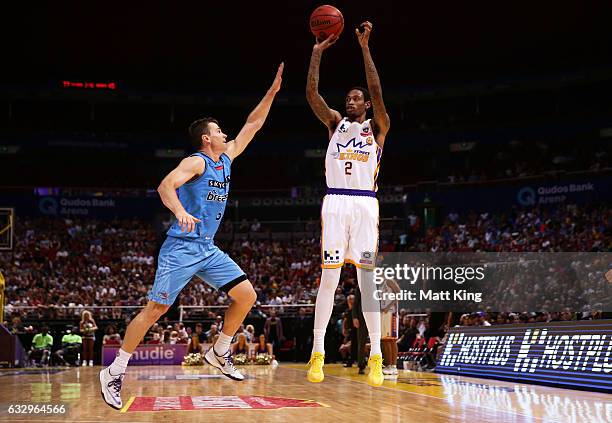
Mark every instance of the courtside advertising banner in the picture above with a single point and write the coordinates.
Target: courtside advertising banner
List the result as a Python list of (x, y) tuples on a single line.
[(146, 355), (573, 354)]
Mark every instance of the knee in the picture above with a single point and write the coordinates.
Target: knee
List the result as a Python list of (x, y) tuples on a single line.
[(250, 296), (244, 293), (153, 311)]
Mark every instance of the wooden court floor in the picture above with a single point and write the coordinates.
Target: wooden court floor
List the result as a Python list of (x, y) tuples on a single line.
[(193, 394)]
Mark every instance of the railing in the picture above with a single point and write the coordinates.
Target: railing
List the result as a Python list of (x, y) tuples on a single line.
[(121, 312), (285, 310)]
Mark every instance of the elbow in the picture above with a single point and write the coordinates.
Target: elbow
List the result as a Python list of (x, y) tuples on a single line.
[(162, 188), (311, 92), (255, 124)]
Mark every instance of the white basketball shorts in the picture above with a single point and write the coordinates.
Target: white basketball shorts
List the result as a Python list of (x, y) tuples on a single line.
[(349, 230)]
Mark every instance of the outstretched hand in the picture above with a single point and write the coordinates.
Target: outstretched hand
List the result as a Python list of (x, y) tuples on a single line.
[(278, 79), (364, 37), (324, 44)]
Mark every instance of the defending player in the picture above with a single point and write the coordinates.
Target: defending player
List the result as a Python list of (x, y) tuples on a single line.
[(349, 215), (202, 180)]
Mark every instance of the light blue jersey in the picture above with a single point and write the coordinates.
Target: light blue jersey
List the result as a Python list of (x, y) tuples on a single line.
[(187, 254), (205, 198)]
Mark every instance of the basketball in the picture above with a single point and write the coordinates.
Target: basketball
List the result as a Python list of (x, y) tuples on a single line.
[(326, 20)]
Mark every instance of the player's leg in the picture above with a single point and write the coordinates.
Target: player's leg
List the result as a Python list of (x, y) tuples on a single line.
[(243, 297), (362, 251), (221, 272), (333, 246), (138, 327), (177, 263)]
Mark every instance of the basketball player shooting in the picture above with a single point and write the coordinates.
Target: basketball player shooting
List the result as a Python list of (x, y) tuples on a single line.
[(349, 215), (202, 180)]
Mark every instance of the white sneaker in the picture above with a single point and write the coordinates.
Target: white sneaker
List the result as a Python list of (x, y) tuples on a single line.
[(224, 363), (110, 388), (90, 363), (84, 363), (390, 371)]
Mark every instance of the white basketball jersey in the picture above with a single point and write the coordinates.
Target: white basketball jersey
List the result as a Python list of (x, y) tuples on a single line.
[(353, 157)]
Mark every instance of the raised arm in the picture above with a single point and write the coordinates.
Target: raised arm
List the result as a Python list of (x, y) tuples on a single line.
[(256, 118), (328, 116), (381, 118), (186, 170)]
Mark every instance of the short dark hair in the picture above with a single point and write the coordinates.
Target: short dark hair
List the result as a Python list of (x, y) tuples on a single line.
[(198, 128), (364, 91)]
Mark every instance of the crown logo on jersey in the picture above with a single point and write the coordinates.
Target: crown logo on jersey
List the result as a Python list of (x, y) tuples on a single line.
[(351, 143)]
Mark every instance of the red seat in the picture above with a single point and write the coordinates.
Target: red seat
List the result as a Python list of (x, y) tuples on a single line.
[(287, 346)]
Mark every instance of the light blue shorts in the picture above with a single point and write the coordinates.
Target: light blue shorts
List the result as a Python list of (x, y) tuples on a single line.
[(179, 260)]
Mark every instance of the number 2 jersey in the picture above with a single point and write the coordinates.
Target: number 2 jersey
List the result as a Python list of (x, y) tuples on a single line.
[(353, 157), (349, 214)]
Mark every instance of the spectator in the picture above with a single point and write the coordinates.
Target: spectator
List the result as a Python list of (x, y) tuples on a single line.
[(409, 335), (211, 333), (71, 347), (88, 329), (250, 333), (111, 337), (194, 345), (241, 346), (273, 330), (263, 347), (202, 338), (302, 330), (41, 347)]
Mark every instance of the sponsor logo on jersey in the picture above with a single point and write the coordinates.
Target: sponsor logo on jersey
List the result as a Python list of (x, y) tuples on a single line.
[(360, 156), (217, 184), (367, 258), (220, 167), (365, 131), (331, 257), (213, 196), (352, 143)]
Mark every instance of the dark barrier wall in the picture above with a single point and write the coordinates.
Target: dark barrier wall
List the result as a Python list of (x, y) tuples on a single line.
[(576, 354), (478, 197)]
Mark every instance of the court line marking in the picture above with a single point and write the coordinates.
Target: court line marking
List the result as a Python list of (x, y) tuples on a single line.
[(77, 421), (516, 413), (127, 405)]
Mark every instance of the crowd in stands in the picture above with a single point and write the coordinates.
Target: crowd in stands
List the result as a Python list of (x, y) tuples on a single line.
[(562, 229), (60, 263)]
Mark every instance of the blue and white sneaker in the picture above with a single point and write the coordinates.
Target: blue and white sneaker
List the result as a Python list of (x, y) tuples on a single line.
[(110, 388), (224, 363)]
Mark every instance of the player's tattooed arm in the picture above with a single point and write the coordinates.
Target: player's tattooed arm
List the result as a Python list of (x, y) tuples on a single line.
[(188, 169), (328, 116), (381, 118), (256, 118)]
